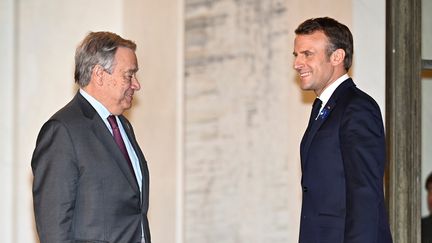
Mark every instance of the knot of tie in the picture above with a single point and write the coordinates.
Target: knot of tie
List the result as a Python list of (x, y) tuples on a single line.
[(315, 108), (317, 103), (113, 122)]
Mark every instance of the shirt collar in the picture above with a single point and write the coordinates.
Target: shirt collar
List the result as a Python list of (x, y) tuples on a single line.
[(327, 93), (100, 109)]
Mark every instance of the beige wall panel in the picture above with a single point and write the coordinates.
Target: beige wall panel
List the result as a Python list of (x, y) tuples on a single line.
[(156, 27), (7, 127)]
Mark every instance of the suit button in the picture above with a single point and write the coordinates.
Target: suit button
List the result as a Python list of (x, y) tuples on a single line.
[(305, 189)]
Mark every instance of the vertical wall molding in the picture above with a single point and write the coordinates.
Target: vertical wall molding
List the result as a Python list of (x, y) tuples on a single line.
[(180, 128), (7, 124), (403, 121)]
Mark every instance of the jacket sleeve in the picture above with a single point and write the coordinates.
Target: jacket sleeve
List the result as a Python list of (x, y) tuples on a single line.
[(54, 183), (363, 154)]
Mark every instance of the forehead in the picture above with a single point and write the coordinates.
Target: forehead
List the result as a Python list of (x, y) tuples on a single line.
[(126, 59), (316, 40)]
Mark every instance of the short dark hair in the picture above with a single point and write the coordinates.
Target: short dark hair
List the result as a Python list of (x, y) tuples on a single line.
[(338, 34), (428, 181), (97, 48)]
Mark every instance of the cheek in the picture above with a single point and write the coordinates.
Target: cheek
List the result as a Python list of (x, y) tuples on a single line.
[(120, 90)]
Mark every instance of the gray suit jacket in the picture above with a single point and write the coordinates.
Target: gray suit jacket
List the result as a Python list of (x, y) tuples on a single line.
[(83, 189)]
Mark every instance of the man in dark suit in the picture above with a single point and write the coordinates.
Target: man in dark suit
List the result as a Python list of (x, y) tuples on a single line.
[(343, 148), (91, 179)]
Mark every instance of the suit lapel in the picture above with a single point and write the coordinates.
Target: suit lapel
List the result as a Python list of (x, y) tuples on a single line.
[(104, 136), (132, 139), (142, 161), (307, 140), (330, 105)]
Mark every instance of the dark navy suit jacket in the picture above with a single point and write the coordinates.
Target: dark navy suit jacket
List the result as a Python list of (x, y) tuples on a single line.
[(343, 156)]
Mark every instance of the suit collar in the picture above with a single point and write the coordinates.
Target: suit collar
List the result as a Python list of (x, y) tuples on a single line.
[(86, 108), (98, 106), (327, 93), (340, 89)]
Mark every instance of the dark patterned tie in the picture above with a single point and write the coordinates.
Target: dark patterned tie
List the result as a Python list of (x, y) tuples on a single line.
[(315, 109), (119, 140)]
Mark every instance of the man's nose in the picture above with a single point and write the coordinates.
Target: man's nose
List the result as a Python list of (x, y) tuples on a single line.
[(298, 63), (135, 84)]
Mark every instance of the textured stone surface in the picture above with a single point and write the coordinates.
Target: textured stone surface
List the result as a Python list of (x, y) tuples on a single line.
[(237, 53)]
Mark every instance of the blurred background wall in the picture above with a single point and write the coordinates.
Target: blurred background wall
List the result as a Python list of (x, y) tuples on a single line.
[(219, 116)]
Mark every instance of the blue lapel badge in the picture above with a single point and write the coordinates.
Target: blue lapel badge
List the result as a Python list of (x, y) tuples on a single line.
[(324, 113)]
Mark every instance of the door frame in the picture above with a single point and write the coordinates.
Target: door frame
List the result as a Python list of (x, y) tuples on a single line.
[(403, 118)]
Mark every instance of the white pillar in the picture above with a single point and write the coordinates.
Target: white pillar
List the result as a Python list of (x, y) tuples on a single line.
[(7, 127)]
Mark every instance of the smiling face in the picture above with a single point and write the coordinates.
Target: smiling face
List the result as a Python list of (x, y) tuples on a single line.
[(316, 69), (119, 86)]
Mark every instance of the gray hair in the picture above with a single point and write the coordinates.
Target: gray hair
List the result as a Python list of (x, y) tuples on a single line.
[(97, 48)]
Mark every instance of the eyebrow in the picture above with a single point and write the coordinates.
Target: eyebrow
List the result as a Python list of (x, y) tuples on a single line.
[(302, 52), (133, 70)]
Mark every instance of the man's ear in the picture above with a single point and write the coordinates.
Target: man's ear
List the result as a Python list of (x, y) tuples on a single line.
[(337, 57), (97, 74)]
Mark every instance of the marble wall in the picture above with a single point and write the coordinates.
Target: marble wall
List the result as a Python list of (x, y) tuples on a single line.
[(237, 158)]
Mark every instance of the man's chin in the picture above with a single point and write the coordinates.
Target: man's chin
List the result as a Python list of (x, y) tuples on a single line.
[(305, 84), (305, 87), (127, 105)]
